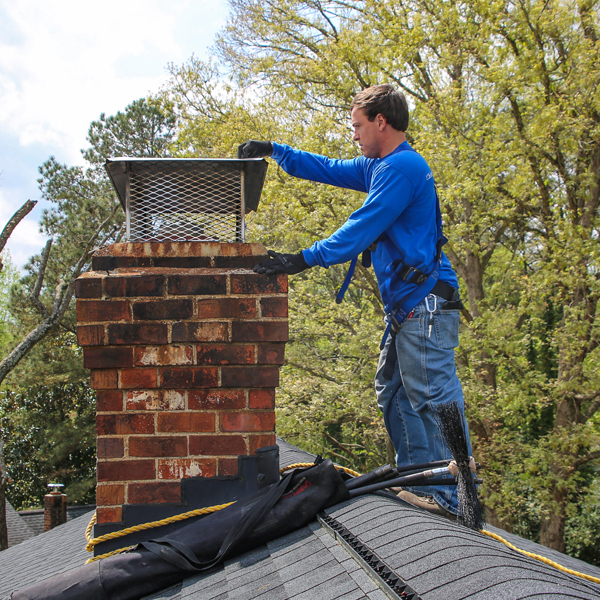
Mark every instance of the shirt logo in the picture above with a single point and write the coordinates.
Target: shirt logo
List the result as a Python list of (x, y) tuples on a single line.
[(429, 176)]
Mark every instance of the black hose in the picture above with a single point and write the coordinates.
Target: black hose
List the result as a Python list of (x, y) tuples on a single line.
[(379, 474)]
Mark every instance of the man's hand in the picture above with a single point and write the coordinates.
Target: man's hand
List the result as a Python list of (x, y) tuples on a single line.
[(254, 149), (282, 263)]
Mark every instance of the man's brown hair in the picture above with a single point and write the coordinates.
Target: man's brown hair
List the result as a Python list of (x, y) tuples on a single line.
[(383, 99)]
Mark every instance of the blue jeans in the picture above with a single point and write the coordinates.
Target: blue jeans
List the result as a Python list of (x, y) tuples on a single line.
[(424, 376)]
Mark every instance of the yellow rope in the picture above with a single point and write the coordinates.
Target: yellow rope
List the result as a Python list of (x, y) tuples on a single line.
[(113, 553), (300, 465), (539, 557), (123, 532)]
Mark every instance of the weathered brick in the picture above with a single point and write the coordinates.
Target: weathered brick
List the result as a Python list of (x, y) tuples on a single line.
[(260, 441), (154, 493), (182, 262), (261, 398), (88, 287), (158, 446), (186, 422), (155, 400), (179, 468), (138, 285), (110, 263), (110, 495), (102, 310), (271, 354), (238, 262), (225, 354), (123, 424), (189, 377), (110, 448), (109, 515), (232, 308), (126, 470), (250, 377), (106, 358), (253, 283), (139, 378), (209, 331), (274, 307), (228, 466), (164, 355), (259, 331), (216, 399), (159, 310), (217, 445), (90, 335), (104, 379), (109, 400), (137, 333), (197, 285), (247, 421)]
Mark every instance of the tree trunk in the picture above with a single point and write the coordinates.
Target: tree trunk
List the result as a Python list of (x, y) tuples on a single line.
[(552, 533), (3, 484)]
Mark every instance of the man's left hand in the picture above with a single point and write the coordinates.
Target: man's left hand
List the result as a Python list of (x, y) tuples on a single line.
[(282, 263)]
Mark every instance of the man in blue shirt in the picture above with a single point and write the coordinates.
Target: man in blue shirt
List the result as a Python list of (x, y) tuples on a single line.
[(400, 223)]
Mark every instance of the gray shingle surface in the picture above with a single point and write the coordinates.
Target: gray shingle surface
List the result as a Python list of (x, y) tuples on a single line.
[(18, 530), (439, 559)]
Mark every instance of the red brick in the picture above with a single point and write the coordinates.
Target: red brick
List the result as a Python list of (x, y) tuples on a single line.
[(261, 398), (109, 515), (164, 355), (259, 331), (180, 468), (126, 470), (274, 307), (90, 335), (216, 399), (124, 424), (271, 354), (247, 421), (158, 446), (107, 400), (104, 379), (189, 377), (110, 495), (238, 262), (110, 263), (154, 493), (141, 285), (87, 287), (197, 285), (102, 310), (250, 377), (253, 283), (137, 333), (228, 466), (163, 310), (260, 441), (232, 308), (208, 331), (182, 262), (155, 400), (217, 445), (106, 358), (110, 448), (225, 354), (186, 422), (139, 378)]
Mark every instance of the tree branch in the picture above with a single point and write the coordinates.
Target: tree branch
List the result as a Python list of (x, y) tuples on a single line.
[(13, 222), (39, 280)]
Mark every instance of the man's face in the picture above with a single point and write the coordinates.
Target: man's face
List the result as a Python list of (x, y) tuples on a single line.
[(367, 133)]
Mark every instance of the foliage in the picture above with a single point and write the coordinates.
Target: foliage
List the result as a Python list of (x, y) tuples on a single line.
[(50, 437)]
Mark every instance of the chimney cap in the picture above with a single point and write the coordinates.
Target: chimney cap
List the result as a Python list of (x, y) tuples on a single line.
[(55, 488)]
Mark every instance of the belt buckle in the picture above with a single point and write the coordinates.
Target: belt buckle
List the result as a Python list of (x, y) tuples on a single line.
[(409, 273), (396, 325)]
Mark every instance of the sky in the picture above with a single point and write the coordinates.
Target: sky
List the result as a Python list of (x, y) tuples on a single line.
[(63, 63)]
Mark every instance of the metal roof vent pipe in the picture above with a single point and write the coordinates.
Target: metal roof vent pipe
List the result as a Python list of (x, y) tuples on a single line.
[(175, 200), (55, 507)]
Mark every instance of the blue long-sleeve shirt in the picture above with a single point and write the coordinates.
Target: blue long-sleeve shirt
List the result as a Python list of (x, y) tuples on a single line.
[(400, 203)]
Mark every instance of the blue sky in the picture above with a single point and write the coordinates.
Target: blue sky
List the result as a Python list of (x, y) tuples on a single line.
[(64, 62)]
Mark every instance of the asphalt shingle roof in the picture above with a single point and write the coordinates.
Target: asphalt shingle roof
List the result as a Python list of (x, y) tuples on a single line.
[(18, 530), (439, 559)]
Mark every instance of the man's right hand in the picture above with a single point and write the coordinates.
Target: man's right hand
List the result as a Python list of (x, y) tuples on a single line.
[(254, 149)]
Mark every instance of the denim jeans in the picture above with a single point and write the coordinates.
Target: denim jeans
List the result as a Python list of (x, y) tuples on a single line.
[(424, 376)]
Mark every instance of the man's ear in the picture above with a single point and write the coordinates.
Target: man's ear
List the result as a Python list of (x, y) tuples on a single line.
[(381, 122)]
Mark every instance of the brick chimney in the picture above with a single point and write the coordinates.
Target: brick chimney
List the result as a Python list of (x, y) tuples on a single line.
[(184, 343), (55, 507)]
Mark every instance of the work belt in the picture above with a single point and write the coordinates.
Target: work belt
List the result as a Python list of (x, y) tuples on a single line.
[(442, 290)]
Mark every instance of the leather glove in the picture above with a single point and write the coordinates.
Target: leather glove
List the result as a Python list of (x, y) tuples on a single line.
[(254, 149), (282, 263)]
